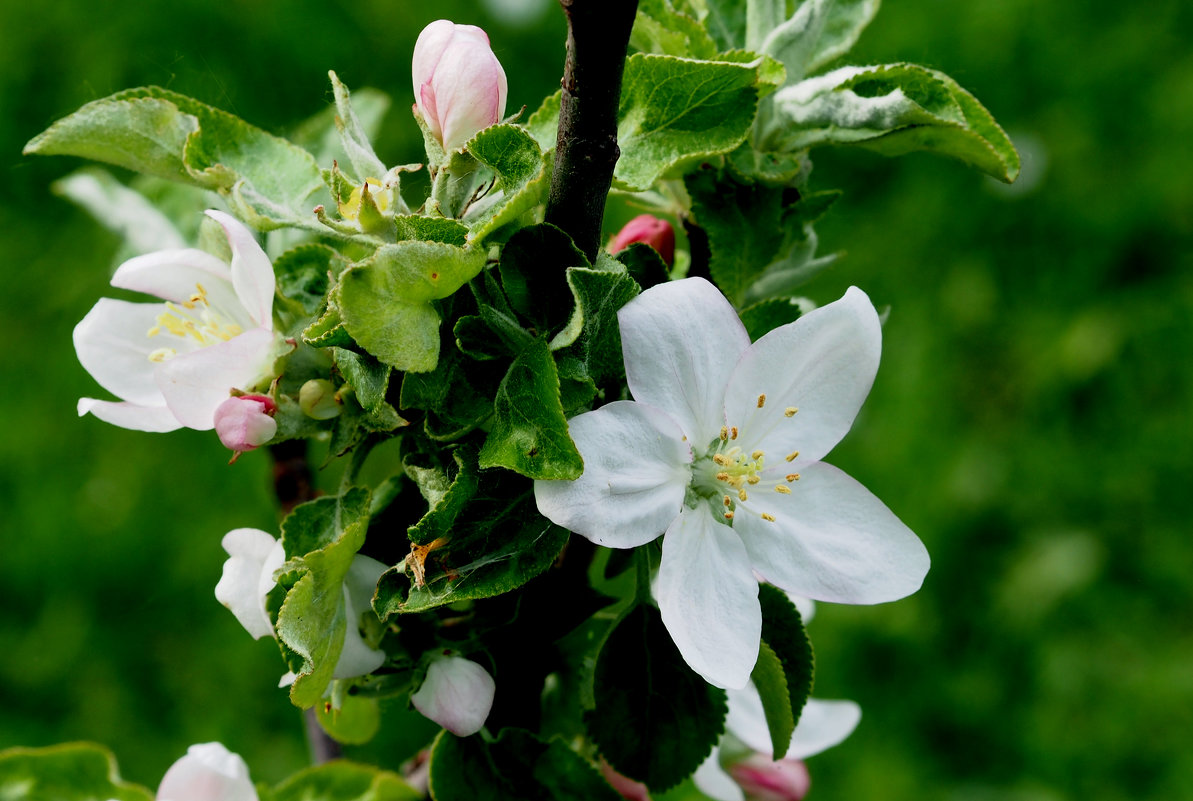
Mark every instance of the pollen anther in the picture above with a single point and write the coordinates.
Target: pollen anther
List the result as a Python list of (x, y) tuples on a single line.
[(728, 501), (722, 476), (791, 456), (724, 434), (756, 455), (721, 459), (741, 494), (782, 489), (729, 515), (793, 477), (753, 479), (790, 411), (768, 518), (733, 432), (761, 400)]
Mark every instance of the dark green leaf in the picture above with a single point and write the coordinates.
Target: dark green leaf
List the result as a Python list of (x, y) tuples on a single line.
[(767, 315), (533, 264), (592, 336), (446, 497), (302, 274), (783, 632), (457, 395), (367, 376), (644, 264), (345, 781)]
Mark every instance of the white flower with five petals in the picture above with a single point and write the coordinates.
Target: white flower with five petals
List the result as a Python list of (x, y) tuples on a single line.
[(720, 452), (173, 363)]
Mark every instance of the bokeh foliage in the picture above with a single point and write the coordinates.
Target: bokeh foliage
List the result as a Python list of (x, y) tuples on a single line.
[(1030, 420)]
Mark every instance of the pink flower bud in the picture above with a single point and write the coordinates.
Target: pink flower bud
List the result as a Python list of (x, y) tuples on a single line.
[(764, 780), (459, 85), (208, 772), (648, 229), (624, 785), (246, 421)]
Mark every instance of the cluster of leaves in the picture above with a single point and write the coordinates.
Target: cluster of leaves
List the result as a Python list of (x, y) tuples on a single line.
[(470, 331)]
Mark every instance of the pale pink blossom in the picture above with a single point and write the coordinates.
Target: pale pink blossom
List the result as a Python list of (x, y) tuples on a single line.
[(459, 85), (208, 772), (245, 422), (650, 230)]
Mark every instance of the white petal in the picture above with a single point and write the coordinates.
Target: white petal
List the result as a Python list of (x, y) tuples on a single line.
[(832, 540), (357, 658), (806, 606), (130, 415), (635, 476), (195, 384), (823, 364), (457, 694), (239, 588), (746, 719), (208, 772), (709, 598), (252, 272), (712, 780), (822, 725), (113, 344), (177, 275), (680, 341)]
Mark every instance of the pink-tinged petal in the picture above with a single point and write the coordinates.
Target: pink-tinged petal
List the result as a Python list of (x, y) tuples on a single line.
[(457, 694), (196, 383), (746, 719), (712, 780), (680, 341), (208, 772), (245, 422), (650, 230), (625, 786), (251, 553), (765, 780), (468, 88), (823, 364), (822, 725), (429, 111), (357, 658), (831, 540), (635, 476), (252, 272), (179, 275), (130, 415), (709, 598), (113, 344), (428, 50)]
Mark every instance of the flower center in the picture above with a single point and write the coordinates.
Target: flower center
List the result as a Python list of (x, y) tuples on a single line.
[(193, 318)]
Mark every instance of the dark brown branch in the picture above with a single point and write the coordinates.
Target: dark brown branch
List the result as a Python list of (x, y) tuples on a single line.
[(586, 147)]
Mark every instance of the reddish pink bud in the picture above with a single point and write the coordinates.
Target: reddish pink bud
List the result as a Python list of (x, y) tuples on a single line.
[(459, 85), (627, 787), (246, 422), (649, 229), (764, 780)]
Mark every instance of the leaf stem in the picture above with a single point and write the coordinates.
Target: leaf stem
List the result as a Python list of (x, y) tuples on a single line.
[(586, 146)]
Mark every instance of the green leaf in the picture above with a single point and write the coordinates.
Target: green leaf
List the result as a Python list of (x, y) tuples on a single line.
[(457, 395), (446, 497), (367, 376), (517, 766), (431, 229), (818, 32), (894, 109), (385, 300), (543, 124), (726, 22), (345, 781), (355, 722), (660, 28), (533, 267), (496, 543), (644, 264), (593, 336), (771, 681), (767, 315), (530, 433), (677, 111), (353, 137), (318, 134), (328, 330), (70, 772), (523, 176), (655, 719), (783, 633), (268, 181), (302, 275), (325, 535)]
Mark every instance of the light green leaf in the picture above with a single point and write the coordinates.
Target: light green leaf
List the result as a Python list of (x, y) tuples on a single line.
[(771, 681), (446, 497), (318, 135), (893, 110), (345, 781), (302, 275), (385, 300), (818, 32), (70, 772), (431, 229), (726, 22), (846, 21), (762, 17), (660, 28), (355, 722), (677, 111), (523, 176), (529, 433), (328, 330), (122, 210), (543, 124), (353, 137), (367, 376)]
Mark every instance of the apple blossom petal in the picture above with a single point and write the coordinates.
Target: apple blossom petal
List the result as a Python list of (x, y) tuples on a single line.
[(709, 598), (178, 275), (712, 780), (239, 586), (805, 606), (428, 50), (113, 344), (469, 88), (196, 383), (822, 725), (252, 272), (763, 779), (746, 719), (132, 416), (634, 481), (832, 540), (208, 772), (457, 694), (356, 657), (823, 364), (680, 341), (245, 422)]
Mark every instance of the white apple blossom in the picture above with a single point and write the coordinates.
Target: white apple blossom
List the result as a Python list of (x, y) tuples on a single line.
[(208, 772), (720, 452), (457, 694), (253, 558), (173, 363)]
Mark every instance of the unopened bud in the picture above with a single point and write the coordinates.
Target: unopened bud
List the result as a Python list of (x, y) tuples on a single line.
[(650, 230), (764, 780), (625, 786), (457, 694), (208, 771), (459, 85), (317, 399), (246, 422)]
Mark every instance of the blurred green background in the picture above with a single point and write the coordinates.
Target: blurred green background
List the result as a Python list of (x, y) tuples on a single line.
[(1030, 419)]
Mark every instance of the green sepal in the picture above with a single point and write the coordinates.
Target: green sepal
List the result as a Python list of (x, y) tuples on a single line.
[(516, 766), (655, 720), (344, 781), (767, 315), (529, 433), (523, 176), (353, 136), (68, 772)]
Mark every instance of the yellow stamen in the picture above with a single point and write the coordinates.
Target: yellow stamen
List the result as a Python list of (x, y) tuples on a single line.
[(768, 518), (793, 477), (741, 494), (728, 501), (791, 456), (761, 400), (162, 354), (724, 434), (756, 455), (721, 459), (722, 476), (783, 489), (753, 479), (733, 433), (729, 515), (157, 329), (790, 411)]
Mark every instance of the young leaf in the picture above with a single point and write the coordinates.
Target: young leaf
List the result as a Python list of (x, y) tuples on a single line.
[(675, 111), (818, 32), (122, 210), (660, 28), (767, 315), (655, 719), (71, 772), (783, 633), (530, 433), (367, 376), (352, 134), (446, 497), (523, 175), (341, 781), (302, 275), (431, 229), (726, 22), (543, 124), (593, 336), (771, 682)]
